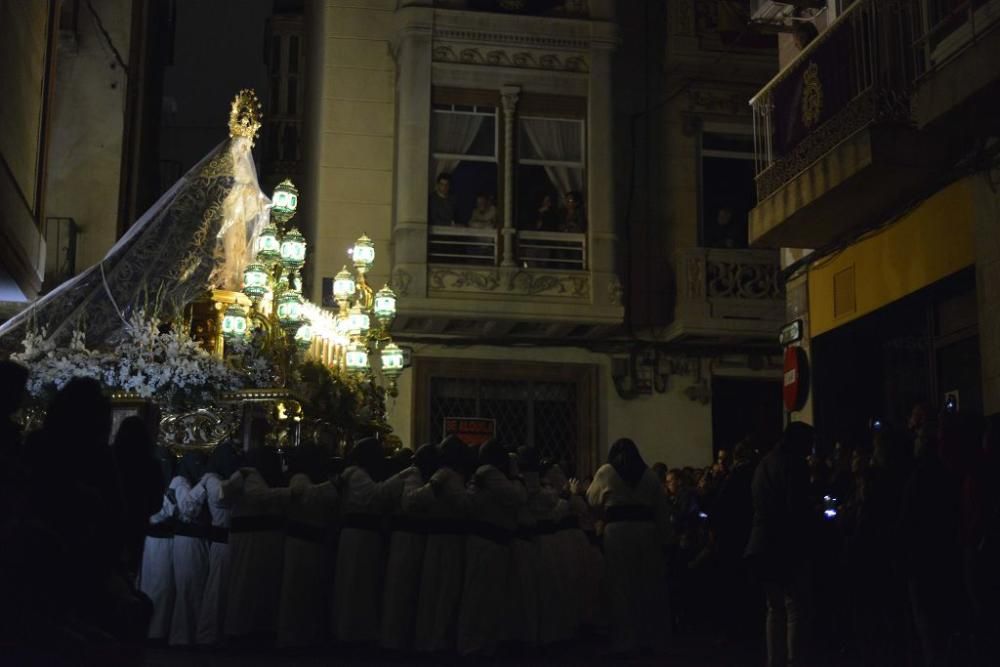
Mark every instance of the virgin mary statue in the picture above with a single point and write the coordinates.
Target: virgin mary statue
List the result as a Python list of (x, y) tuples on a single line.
[(199, 235)]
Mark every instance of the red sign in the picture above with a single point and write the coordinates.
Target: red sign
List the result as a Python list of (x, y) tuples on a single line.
[(470, 430), (796, 384)]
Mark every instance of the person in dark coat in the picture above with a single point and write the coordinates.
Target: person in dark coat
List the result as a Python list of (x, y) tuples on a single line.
[(141, 485), (780, 540)]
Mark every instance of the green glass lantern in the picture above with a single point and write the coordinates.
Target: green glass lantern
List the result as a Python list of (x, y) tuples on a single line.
[(304, 336), (385, 306), (234, 324), (285, 201), (255, 279), (363, 253), (268, 245), (393, 360), (358, 322), (344, 285), (356, 358), (290, 310), (293, 250)]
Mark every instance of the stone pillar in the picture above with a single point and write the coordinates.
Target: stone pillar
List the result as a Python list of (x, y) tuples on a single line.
[(508, 97), (601, 221), (412, 51), (987, 235)]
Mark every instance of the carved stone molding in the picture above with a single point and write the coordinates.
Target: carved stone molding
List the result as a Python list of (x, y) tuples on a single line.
[(492, 57), (744, 280), (616, 293), (521, 282), (401, 282)]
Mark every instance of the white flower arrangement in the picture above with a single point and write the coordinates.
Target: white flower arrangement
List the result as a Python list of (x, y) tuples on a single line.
[(167, 366)]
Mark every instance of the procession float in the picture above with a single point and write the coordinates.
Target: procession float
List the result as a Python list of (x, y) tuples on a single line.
[(195, 319)]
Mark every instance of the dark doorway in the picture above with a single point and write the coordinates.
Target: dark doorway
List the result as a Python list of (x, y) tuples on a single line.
[(913, 350), (745, 408)]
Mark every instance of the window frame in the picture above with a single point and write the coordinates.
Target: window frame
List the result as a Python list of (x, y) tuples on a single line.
[(719, 129), (495, 158)]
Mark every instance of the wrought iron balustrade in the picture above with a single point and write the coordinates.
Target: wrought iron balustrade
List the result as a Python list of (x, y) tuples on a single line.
[(462, 245), (552, 250), (860, 71)]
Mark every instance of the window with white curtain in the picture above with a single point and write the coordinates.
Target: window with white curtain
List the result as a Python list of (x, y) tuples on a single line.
[(464, 144), (551, 163)]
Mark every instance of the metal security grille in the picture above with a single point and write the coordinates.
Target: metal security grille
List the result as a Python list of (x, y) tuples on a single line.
[(539, 414)]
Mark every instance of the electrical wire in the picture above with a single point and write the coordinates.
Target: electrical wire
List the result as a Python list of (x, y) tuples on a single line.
[(107, 36)]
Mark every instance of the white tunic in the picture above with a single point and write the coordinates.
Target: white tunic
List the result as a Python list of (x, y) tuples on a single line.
[(219, 496), (634, 558), (557, 622), (156, 576), (482, 622), (526, 579), (405, 559), (441, 575), (190, 563), (302, 619), (357, 585), (255, 557)]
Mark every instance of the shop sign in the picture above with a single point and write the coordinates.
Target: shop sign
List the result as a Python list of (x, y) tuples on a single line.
[(796, 378), (470, 430)]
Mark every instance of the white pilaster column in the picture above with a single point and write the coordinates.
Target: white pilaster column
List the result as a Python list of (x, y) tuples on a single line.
[(601, 213), (412, 50), (508, 97)]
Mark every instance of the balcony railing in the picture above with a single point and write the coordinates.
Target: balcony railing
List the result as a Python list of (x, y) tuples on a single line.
[(860, 71), (481, 247), (462, 245), (552, 250)]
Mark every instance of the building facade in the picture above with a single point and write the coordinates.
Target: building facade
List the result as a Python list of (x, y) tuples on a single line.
[(569, 324), (876, 173)]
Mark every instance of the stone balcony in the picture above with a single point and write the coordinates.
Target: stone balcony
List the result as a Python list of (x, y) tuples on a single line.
[(727, 297), (835, 120), (465, 289)]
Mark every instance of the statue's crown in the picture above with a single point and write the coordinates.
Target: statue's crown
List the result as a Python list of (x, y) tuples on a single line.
[(245, 116)]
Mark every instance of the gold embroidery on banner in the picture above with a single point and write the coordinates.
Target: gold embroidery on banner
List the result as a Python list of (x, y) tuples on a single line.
[(812, 95)]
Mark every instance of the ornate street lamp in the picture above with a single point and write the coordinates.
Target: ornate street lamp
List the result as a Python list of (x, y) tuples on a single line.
[(284, 202), (290, 310), (304, 336), (343, 288)]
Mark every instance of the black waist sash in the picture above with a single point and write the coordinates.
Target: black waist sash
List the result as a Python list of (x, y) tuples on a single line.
[(568, 523), (593, 537), (617, 513), (164, 530), (362, 522), (491, 532), (307, 532), (219, 534), (408, 524), (526, 532), (196, 530), (256, 524), (455, 527)]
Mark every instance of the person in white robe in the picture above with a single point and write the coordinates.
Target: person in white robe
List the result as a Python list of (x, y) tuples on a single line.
[(190, 549), (357, 585), (444, 501), (302, 618), (634, 508), (495, 495), (407, 542), (557, 611), (593, 618), (257, 547), (221, 485), (526, 574), (156, 574)]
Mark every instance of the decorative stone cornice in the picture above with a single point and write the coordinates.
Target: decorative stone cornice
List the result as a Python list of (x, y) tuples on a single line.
[(500, 57), (515, 282), (513, 38)]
